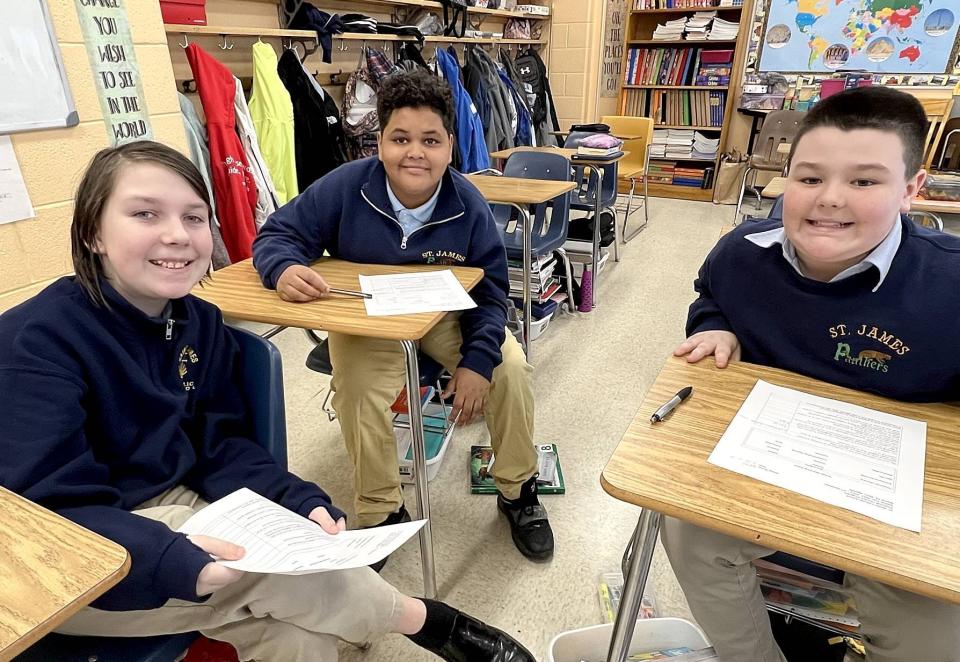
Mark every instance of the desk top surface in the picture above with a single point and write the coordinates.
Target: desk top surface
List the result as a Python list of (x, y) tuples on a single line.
[(519, 190), (238, 292), (563, 151), (935, 206), (50, 568), (664, 466)]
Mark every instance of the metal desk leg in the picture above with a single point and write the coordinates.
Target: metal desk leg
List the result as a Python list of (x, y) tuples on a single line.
[(420, 468), (597, 208), (527, 269), (640, 551)]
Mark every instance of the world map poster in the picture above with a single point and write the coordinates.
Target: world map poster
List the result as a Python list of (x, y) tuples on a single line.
[(881, 36)]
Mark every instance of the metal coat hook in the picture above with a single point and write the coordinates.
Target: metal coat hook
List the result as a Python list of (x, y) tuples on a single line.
[(185, 41), (223, 43), (343, 46)]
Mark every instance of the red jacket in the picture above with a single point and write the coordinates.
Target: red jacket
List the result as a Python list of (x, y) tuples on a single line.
[(233, 187)]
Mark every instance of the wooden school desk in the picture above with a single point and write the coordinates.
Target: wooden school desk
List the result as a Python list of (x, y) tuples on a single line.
[(50, 568), (663, 468), (238, 292), (520, 193), (596, 171)]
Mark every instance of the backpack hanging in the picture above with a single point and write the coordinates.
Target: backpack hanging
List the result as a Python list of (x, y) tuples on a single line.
[(454, 11)]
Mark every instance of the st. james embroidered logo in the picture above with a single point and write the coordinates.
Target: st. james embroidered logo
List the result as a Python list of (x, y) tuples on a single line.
[(187, 358)]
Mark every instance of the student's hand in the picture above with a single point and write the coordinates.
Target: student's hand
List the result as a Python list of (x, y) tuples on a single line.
[(214, 576), (322, 517), (471, 389), (300, 284), (722, 344)]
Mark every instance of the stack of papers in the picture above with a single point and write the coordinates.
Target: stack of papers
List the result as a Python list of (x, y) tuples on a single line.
[(670, 30), (679, 143), (703, 147), (723, 30), (698, 25), (658, 146)]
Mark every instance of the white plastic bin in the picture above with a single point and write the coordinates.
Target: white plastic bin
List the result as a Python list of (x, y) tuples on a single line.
[(436, 435), (591, 643)]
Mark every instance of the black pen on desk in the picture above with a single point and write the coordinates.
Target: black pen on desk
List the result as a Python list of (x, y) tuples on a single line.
[(351, 293), (671, 404)]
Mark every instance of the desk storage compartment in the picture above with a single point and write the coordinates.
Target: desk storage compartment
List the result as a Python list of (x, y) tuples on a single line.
[(940, 186)]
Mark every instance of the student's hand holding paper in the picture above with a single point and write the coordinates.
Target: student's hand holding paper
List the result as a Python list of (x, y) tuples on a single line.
[(300, 284), (322, 517), (723, 345), (214, 576), (471, 389)]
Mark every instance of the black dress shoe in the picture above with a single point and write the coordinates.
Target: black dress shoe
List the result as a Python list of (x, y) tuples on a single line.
[(529, 526), (475, 641), (393, 518)]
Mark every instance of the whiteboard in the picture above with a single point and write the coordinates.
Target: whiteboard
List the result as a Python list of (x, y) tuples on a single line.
[(36, 94)]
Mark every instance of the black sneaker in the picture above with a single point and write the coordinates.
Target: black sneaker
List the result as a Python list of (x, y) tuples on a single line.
[(393, 518), (529, 526)]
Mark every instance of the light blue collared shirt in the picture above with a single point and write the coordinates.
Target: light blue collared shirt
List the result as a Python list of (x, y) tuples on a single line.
[(880, 257), (413, 219)]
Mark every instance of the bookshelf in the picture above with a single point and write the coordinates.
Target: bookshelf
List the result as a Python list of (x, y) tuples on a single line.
[(659, 80)]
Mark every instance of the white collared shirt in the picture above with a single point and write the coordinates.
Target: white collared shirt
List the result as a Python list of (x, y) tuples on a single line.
[(413, 219), (880, 257)]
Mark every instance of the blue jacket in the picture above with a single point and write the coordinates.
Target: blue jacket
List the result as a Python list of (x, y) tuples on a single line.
[(347, 213), (470, 139), (895, 342), (102, 411)]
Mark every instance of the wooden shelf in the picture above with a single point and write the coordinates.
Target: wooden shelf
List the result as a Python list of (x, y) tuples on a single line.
[(683, 10), (374, 38), (681, 42), (176, 28), (684, 126), (680, 192), (675, 87), (686, 158)]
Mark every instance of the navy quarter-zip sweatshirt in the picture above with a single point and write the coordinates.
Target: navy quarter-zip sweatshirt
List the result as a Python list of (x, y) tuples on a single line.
[(105, 408), (348, 214)]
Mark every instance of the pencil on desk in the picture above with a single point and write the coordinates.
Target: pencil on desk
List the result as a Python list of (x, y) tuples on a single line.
[(351, 293)]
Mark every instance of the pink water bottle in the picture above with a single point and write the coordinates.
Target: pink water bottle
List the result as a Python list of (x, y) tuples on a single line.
[(586, 290)]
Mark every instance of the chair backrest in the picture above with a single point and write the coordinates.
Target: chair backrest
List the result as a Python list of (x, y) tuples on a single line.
[(947, 155), (584, 183), (626, 125), (937, 106), (780, 126), (261, 375), (537, 165)]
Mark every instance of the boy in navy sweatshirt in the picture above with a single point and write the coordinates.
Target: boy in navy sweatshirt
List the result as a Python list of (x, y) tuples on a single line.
[(847, 290), (409, 207)]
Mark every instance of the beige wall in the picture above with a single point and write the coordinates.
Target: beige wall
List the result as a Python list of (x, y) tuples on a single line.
[(36, 251), (576, 45)]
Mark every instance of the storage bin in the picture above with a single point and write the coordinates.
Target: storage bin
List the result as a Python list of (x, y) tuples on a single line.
[(538, 326), (436, 438), (187, 12), (591, 643), (941, 187)]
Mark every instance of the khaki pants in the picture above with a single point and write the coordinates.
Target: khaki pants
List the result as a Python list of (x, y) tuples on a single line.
[(368, 374), (721, 586), (275, 618)]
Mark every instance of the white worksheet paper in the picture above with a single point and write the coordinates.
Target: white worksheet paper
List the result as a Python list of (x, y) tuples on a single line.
[(856, 458), (279, 541), (421, 292), (14, 201)]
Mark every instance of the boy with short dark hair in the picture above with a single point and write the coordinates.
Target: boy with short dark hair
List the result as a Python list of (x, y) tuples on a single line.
[(408, 207), (847, 290)]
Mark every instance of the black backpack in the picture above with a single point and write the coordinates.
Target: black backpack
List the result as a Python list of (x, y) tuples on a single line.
[(533, 73)]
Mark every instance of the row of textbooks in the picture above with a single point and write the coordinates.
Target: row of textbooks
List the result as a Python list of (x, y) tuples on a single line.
[(677, 107), (671, 66), (668, 172)]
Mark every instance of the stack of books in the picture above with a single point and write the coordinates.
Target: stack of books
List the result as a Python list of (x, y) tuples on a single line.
[(704, 147), (661, 66), (543, 284), (679, 143), (671, 30), (698, 25), (688, 176), (599, 151), (661, 172), (723, 30), (714, 69)]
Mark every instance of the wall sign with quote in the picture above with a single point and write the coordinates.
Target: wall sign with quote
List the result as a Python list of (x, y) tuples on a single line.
[(106, 33), (613, 37)]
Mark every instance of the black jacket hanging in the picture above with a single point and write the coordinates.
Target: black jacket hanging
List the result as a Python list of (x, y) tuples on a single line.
[(317, 128)]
